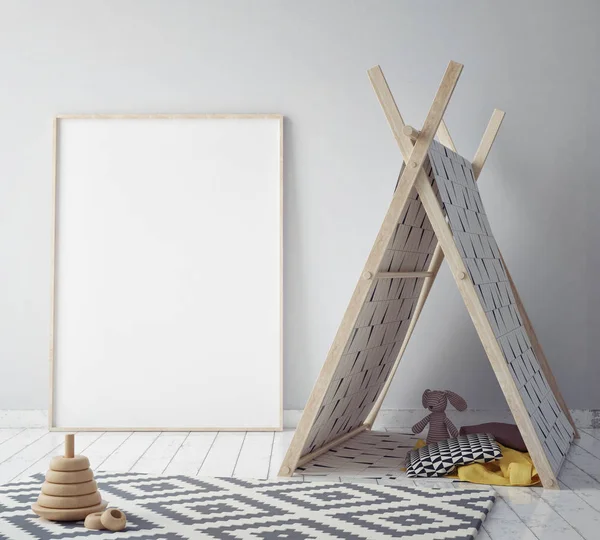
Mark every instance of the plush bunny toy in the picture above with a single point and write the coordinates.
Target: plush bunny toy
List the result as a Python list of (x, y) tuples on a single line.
[(440, 427)]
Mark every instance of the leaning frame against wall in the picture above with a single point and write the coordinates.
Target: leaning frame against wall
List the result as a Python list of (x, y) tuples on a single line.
[(436, 212), (153, 324)]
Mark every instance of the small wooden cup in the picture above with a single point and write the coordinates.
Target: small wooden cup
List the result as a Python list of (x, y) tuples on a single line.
[(113, 519), (93, 522)]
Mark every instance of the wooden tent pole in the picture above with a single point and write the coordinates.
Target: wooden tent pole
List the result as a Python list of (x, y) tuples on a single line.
[(444, 137), (485, 145), (478, 163), (418, 154), (385, 96)]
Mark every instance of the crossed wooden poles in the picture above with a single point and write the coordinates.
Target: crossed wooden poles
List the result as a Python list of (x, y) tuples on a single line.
[(414, 146)]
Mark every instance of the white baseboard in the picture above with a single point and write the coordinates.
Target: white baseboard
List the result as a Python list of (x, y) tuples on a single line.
[(408, 417), (23, 418), (584, 418)]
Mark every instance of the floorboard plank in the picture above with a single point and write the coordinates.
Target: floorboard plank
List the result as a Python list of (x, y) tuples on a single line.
[(588, 443), (322, 479), (594, 432), (537, 514), (255, 456), (104, 446), (585, 461), (223, 455), (357, 480), (575, 510), (40, 465), (9, 433), (20, 441), (400, 481), (504, 524), (581, 483), (160, 453), (500, 529), (437, 483), (189, 457), (128, 453), (28, 455), (281, 442), (483, 535)]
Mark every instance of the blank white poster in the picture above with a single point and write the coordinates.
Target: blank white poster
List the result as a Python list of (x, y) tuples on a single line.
[(167, 281)]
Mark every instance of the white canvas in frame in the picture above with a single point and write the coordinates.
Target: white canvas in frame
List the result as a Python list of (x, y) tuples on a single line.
[(167, 272)]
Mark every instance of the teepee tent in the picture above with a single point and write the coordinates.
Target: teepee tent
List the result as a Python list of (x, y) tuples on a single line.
[(436, 212)]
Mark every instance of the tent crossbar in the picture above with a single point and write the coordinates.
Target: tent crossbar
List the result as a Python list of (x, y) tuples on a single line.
[(393, 275)]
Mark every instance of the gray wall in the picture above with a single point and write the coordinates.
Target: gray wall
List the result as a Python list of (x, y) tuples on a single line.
[(536, 60)]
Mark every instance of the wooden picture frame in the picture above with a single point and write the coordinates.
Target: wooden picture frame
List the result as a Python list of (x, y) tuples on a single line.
[(277, 121)]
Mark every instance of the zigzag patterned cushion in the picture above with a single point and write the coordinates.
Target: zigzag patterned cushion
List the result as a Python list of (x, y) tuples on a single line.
[(443, 457)]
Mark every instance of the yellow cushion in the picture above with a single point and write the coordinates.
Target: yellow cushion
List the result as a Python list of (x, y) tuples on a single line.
[(514, 468)]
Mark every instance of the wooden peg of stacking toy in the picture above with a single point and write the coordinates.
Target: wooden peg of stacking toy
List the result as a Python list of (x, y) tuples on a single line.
[(69, 492)]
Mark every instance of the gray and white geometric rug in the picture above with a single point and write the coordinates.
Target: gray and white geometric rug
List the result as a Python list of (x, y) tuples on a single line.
[(182, 507)]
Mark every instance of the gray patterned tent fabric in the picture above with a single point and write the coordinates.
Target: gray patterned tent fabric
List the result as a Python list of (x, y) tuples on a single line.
[(459, 195), (379, 331)]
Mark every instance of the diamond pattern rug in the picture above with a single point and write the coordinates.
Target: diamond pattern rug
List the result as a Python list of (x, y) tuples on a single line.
[(181, 507)]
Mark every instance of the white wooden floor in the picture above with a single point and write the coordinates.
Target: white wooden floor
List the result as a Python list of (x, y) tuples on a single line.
[(519, 513)]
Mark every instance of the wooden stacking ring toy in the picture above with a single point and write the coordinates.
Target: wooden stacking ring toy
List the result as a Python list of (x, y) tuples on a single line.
[(76, 463), (82, 501), (113, 519), (69, 492), (71, 477)]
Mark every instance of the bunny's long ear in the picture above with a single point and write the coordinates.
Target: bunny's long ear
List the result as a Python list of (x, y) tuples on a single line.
[(424, 398), (456, 401)]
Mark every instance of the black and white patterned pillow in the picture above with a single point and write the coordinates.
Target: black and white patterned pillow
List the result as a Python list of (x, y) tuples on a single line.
[(441, 458)]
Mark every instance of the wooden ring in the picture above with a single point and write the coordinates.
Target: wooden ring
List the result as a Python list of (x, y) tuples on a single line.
[(113, 519), (81, 501), (77, 463), (93, 522), (69, 490), (67, 514), (69, 477)]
